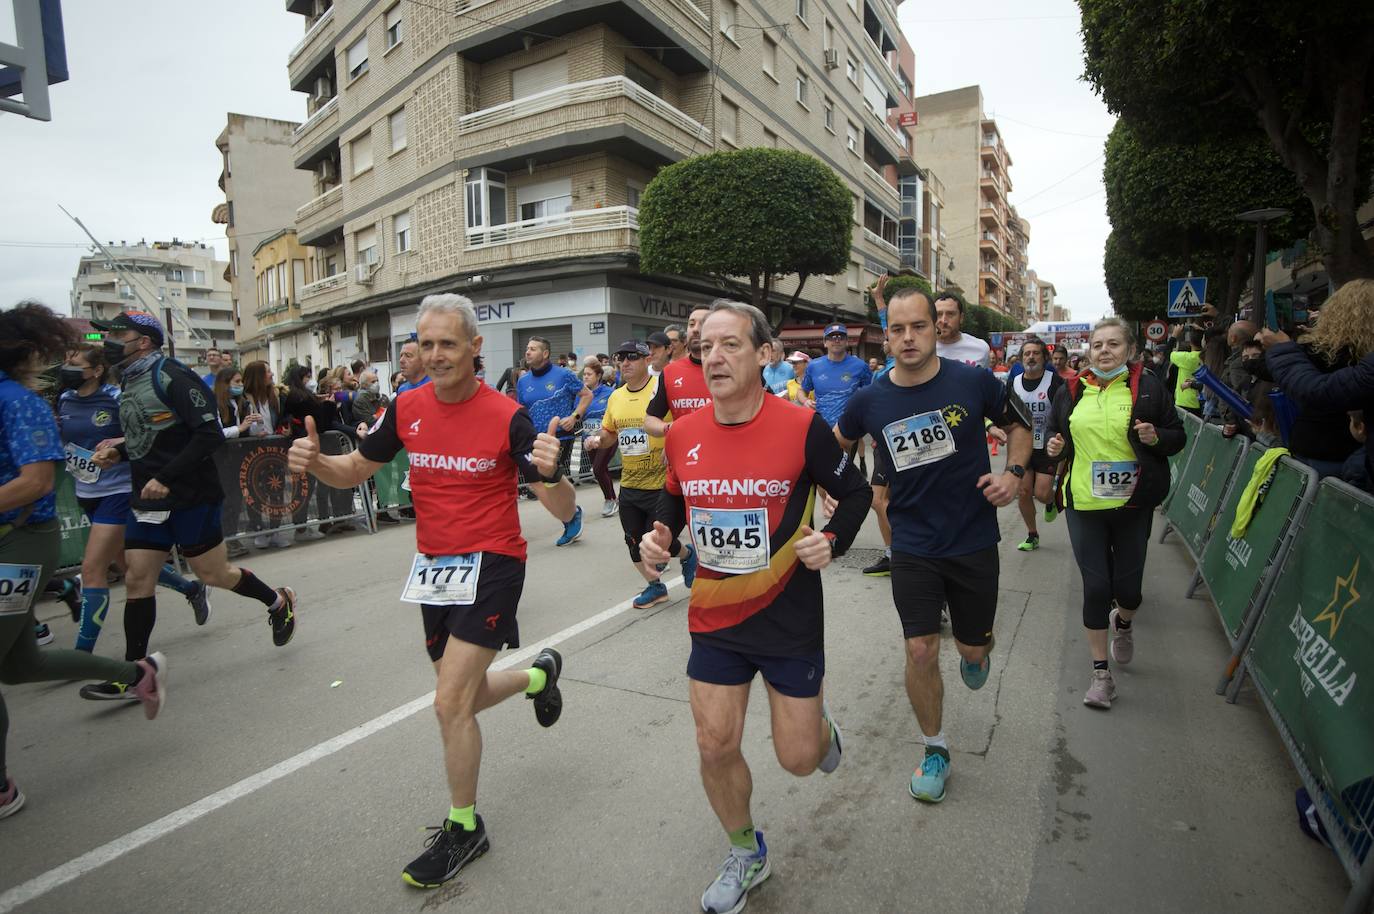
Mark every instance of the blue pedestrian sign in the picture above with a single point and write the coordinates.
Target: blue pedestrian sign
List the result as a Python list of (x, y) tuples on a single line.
[(1187, 295)]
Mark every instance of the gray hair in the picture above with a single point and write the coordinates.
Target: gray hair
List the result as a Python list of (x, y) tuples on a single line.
[(760, 332), (1117, 322), (450, 303), (678, 328)]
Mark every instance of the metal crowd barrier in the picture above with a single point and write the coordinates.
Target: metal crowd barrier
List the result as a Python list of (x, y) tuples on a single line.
[(1201, 487)]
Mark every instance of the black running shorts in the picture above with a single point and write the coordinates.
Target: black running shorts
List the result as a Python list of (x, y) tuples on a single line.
[(880, 470), (1041, 462), (488, 622), (968, 583)]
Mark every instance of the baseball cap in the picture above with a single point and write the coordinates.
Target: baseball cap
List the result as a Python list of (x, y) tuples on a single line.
[(634, 346), (659, 338), (840, 329), (798, 356), (140, 321)]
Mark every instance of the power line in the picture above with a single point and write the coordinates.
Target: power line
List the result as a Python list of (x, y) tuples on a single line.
[(1007, 117), (1085, 165)]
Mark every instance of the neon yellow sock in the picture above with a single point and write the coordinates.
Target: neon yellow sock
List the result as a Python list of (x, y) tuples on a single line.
[(745, 839), (538, 679), (465, 818)]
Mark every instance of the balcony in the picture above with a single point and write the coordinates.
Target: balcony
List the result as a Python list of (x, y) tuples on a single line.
[(612, 114), (581, 233), (881, 189), (882, 244), (322, 217), (489, 29), (314, 138), (313, 52), (324, 294)]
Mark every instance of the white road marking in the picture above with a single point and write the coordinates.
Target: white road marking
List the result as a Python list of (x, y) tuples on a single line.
[(107, 853)]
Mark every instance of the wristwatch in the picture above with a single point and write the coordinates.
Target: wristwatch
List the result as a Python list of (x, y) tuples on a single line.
[(1017, 470), (830, 538)]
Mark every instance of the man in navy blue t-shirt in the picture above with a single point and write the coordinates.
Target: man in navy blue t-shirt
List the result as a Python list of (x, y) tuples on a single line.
[(927, 416)]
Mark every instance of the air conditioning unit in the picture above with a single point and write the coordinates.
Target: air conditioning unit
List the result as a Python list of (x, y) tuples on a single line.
[(324, 89), (362, 273), (832, 58), (328, 170)]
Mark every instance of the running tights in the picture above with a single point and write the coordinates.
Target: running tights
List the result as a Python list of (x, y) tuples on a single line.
[(1109, 547), (601, 469)]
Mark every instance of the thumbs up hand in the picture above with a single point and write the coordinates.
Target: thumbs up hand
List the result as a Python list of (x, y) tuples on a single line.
[(544, 454), (653, 546), (304, 451), (813, 549), (1055, 446)]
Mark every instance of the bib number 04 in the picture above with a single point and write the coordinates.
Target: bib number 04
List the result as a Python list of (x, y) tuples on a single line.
[(443, 580), (18, 585)]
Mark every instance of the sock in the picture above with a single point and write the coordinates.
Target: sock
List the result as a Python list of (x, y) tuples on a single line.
[(250, 586), (465, 818), (938, 741), (538, 679), (95, 602), (745, 839), (1033, 535), (888, 552), (1122, 624), (1099, 664), (168, 577), (140, 615)]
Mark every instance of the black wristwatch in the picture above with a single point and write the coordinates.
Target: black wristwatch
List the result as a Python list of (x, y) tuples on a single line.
[(1017, 470)]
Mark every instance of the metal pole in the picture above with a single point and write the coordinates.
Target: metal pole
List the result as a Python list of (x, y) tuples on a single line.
[(171, 333), (1261, 243)]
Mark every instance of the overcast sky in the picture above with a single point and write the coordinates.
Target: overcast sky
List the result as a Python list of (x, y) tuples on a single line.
[(131, 147)]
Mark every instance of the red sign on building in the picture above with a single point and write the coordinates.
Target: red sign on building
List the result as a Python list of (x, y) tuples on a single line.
[(906, 119)]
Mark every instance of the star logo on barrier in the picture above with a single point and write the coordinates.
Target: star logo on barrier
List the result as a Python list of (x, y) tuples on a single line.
[(1343, 585), (1207, 474)]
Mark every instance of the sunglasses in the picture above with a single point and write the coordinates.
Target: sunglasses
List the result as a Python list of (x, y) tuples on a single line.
[(628, 356)]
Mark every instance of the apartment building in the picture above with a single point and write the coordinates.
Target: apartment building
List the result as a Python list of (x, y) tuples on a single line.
[(178, 281), (262, 188), (1032, 296), (1014, 272), (501, 152)]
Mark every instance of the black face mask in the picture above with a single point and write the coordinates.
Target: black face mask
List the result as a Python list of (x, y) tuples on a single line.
[(1254, 366), (71, 378), (115, 353)]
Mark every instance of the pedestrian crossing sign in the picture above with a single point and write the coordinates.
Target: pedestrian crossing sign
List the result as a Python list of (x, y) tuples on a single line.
[(1187, 295)]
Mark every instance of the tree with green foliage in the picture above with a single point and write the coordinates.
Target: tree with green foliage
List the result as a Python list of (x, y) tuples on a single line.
[(1137, 283), (760, 213), (1299, 74), (898, 283)]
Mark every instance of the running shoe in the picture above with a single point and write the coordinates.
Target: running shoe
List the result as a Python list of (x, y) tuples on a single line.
[(572, 530), (305, 533), (975, 675), (283, 618), (11, 799), (652, 595), (1051, 513), (235, 549), (741, 872), (610, 507), (1031, 544), (152, 686), (385, 519), (262, 541), (109, 691), (200, 603), (928, 781), (1123, 639), (548, 703), (42, 633), (447, 851), (689, 566), (880, 569), (832, 755), (1101, 691), (71, 595)]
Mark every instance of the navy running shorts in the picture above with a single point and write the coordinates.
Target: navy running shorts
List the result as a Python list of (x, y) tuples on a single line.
[(195, 530), (796, 676), (107, 509)]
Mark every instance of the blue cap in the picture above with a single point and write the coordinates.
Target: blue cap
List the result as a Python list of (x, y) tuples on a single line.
[(839, 329)]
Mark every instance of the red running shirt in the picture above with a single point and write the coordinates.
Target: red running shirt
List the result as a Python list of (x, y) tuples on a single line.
[(464, 463), (682, 390)]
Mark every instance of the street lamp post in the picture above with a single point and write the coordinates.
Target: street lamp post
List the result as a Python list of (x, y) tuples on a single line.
[(1261, 218)]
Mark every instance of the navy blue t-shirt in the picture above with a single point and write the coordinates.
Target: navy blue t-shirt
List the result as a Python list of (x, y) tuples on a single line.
[(936, 447)]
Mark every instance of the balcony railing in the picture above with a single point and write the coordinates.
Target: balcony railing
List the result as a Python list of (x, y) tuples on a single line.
[(320, 114), (323, 201), (570, 223), (876, 179), (607, 87), (874, 238), (311, 289), (311, 33)]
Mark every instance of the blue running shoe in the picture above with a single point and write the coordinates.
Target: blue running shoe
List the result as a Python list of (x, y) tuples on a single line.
[(652, 595), (740, 873), (689, 566), (975, 675), (572, 530), (928, 782)]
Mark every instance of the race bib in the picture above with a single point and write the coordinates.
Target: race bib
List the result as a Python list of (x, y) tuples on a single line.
[(731, 541), (443, 580), (18, 585), (1114, 478), (634, 442), (1040, 420), (919, 440), (151, 517), (81, 463), (405, 481)]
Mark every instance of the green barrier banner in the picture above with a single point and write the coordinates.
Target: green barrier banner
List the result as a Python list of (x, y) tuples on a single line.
[(1201, 485), (76, 526), (389, 479), (1191, 425), (1313, 652), (1233, 568)]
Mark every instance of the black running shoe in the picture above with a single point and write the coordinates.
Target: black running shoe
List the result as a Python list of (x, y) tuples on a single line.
[(548, 704), (447, 851), (283, 618), (200, 603), (109, 691), (879, 569), (71, 595)]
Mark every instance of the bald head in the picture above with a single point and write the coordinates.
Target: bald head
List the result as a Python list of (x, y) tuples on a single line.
[(1240, 333)]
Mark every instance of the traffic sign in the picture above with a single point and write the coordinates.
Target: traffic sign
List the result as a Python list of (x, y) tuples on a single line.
[(1187, 295), (1155, 331)]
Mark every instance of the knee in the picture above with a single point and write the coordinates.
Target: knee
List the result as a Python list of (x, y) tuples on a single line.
[(924, 651), (972, 653), (451, 708), (797, 761), (716, 748), (880, 498)]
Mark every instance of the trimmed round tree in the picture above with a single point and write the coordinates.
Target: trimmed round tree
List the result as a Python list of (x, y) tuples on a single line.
[(760, 213)]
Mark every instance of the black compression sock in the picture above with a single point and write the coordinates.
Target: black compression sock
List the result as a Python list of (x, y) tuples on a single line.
[(250, 586), (1099, 664), (140, 615)]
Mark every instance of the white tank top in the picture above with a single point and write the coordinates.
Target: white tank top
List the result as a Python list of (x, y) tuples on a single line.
[(1037, 402)]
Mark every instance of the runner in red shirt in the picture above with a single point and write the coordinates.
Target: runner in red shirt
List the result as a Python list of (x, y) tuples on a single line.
[(756, 604), (682, 388), (467, 445)]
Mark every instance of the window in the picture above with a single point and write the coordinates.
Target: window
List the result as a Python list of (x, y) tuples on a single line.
[(729, 15), (298, 275), (394, 30), (361, 151), (829, 114), (234, 262), (770, 139), (801, 10), (851, 69), (544, 200), (356, 58), (770, 58), (539, 77), (398, 129), (633, 193), (366, 242), (637, 74), (331, 265), (803, 88), (401, 224), (486, 199), (851, 137), (875, 96), (828, 35), (853, 274), (905, 82), (729, 122)]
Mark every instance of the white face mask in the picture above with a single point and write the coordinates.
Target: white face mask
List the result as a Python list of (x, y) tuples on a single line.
[(310, 386)]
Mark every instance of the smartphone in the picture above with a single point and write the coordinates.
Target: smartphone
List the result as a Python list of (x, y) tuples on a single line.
[(1271, 312)]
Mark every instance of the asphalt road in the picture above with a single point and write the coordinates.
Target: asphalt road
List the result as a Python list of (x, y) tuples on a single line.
[(301, 779)]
